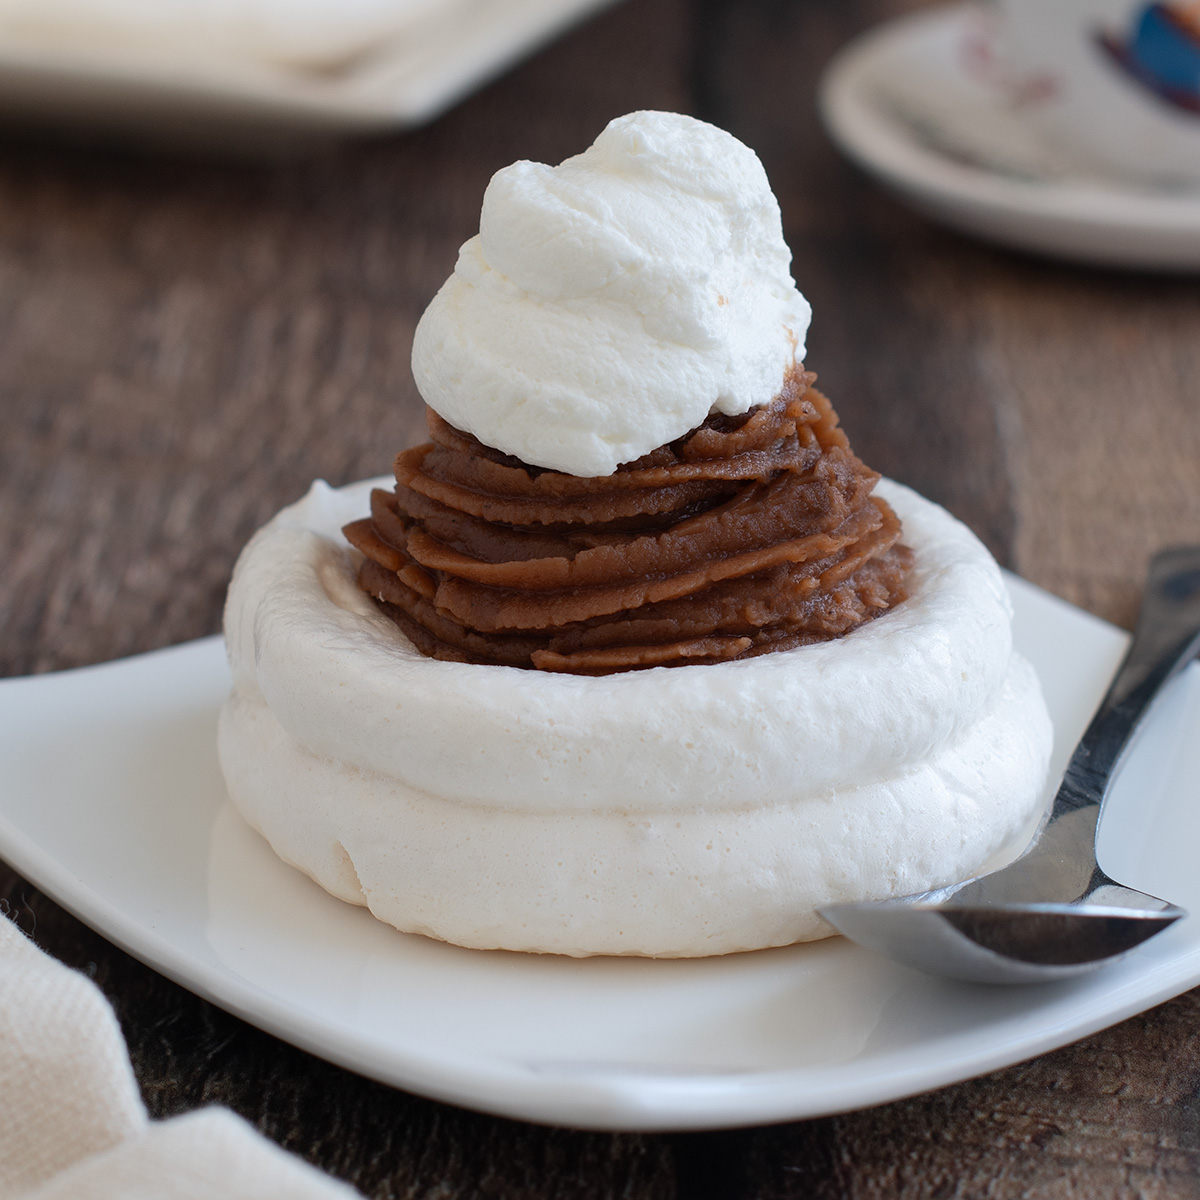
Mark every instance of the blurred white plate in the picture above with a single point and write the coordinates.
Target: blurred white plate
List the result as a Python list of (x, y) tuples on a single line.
[(900, 102), (111, 800), (207, 100)]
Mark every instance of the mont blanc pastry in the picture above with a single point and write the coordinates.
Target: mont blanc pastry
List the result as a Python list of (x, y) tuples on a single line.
[(634, 656)]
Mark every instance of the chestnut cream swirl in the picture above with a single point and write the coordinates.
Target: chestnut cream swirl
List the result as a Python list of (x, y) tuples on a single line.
[(750, 534)]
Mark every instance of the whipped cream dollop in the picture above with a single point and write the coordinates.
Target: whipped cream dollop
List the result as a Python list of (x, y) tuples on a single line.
[(609, 304)]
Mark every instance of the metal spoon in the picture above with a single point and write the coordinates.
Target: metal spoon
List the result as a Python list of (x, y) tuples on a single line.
[(1053, 912)]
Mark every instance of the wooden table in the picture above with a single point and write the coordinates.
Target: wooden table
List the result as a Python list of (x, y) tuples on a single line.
[(184, 345)]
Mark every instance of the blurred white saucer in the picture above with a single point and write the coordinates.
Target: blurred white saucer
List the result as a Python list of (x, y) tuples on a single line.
[(201, 99), (902, 104)]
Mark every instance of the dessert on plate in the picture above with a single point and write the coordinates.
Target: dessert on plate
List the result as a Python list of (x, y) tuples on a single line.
[(634, 656)]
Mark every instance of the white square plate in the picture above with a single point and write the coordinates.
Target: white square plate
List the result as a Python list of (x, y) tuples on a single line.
[(111, 800)]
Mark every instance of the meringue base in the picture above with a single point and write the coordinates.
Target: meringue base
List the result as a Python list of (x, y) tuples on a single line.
[(737, 856)]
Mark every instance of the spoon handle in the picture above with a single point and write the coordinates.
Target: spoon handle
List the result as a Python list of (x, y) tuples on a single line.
[(1167, 637)]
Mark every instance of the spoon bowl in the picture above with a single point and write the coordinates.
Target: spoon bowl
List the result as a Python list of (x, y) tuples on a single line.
[(1004, 943), (1053, 913)]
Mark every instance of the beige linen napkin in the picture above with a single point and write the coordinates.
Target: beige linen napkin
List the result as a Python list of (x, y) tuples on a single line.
[(74, 1125)]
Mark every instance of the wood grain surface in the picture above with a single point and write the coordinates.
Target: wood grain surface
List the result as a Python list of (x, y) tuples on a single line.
[(185, 344)]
